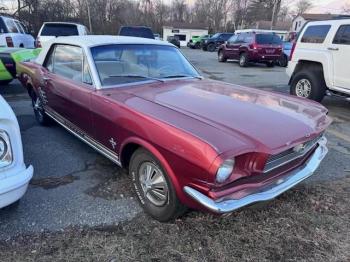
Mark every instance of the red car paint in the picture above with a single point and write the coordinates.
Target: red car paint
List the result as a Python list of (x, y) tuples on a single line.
[(190, 125)]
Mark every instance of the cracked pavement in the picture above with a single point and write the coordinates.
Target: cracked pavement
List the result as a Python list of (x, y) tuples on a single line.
[(75, 186)]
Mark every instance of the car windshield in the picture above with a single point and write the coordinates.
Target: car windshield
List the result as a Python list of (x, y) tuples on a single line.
[(268, 39), (122, 64), (59, 30), (136, 32), (216, 35)]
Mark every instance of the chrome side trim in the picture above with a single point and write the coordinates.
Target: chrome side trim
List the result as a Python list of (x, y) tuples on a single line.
[(267, 193), (85, 138)]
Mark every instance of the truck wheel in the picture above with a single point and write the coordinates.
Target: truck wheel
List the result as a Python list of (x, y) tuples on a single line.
[(39, 111), (5, 82), (153, 187), (283, 61), (243, 60), (211, 47), (308, 84), (221, 56)]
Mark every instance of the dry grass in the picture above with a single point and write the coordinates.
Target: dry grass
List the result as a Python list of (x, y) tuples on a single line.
[(308, 223)]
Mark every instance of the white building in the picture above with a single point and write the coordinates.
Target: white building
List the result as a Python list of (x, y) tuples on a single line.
[(183, 32)]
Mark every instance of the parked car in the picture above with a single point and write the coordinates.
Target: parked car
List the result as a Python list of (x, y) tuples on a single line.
[(14, 34), (9, 57), (136, 31), (51, 30), (319, 58), (203, 41), (195, 42), (157, 36), (287, 48), (14, 175), (212, 43), (174, 40), (186, 141), (252, 47)]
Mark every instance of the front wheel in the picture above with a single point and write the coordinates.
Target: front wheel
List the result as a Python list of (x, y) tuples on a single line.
[(221, 56), (211, 47), (308, 84), (153, 187)]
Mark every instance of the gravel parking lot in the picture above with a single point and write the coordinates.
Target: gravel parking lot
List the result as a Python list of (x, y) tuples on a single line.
[(75, 187)]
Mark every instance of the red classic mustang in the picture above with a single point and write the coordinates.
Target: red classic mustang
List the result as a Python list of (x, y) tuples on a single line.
[(187, 142)]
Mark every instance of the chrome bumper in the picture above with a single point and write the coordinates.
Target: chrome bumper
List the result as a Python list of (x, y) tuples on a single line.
[(267, 193)]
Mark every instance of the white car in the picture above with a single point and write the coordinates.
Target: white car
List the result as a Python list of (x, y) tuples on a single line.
[(51, 30), (14, 175), (14, 34), (319, 60)]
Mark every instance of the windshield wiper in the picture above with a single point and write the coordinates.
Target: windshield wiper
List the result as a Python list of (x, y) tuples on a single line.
[(178, 76), (138, 76)]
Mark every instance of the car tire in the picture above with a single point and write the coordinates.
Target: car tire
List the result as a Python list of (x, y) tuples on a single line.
[(270, 64), (5, 82), (283, 61), (243, 60), (308, 84), (39, 112), (161, 203), (211, 48), (221, 57)]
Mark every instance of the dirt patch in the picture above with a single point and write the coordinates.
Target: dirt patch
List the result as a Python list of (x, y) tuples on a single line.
[(114, 182), (53, 182), (308, 223)]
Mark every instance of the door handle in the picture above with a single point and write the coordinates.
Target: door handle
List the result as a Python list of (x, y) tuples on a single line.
[(333, 48)]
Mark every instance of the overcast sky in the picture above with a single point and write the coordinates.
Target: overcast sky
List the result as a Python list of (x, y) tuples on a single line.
[(319, 6)]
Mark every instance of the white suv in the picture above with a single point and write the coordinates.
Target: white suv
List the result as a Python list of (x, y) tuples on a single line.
[(319, 60), (50, 30), (14, 175), (14, 34)]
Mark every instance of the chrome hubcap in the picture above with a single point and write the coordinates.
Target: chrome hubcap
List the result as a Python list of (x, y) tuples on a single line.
[(242, 60), (303, 88), (153, 184), (37, 107)]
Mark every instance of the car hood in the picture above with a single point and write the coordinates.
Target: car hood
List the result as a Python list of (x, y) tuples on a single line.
[(262, 120)]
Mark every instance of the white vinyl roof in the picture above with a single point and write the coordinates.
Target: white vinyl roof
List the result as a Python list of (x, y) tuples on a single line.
[(87, 41), (95, 40)]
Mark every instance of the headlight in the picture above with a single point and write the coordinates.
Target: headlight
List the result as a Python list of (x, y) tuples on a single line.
[(5, 150), (225, 170)]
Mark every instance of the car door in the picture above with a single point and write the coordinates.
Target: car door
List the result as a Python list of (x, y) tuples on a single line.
[(236, 45), (67, 86), (230, 47), (340, 49)]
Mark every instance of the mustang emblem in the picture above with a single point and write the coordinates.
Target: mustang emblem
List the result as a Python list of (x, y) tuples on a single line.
[(113, 143), (299, 148)]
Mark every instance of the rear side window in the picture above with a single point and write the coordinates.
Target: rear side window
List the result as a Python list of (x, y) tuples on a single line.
[(3, 28), (315, 34), (68, 62), (59, 30), (343, 35), (11, 26), (268, 39)]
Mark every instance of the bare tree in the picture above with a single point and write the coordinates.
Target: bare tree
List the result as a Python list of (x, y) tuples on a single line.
[(346, 8), (303, 6)]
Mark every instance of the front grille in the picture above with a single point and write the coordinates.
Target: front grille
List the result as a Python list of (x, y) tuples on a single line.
[(291, 154)]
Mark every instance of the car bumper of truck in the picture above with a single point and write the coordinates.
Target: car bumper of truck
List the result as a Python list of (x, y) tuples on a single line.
[(13, 187), (269, 192)]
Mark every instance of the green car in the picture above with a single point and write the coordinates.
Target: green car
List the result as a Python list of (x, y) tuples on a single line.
[(9, 57), (195, 42)]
